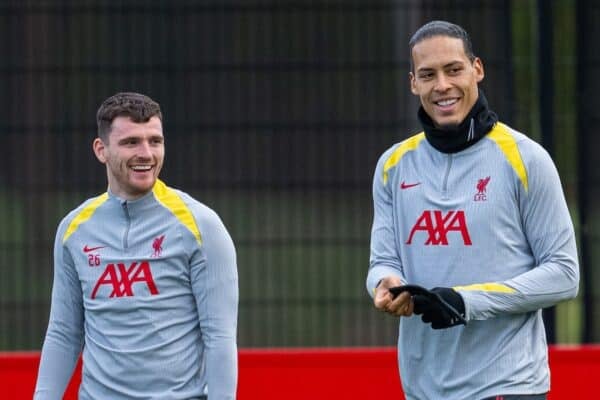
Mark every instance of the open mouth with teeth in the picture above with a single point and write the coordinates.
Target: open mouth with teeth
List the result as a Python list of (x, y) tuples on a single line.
[(141, 168), (446, 102)]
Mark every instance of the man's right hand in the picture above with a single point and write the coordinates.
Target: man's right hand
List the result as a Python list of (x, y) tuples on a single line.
[(401, 306)]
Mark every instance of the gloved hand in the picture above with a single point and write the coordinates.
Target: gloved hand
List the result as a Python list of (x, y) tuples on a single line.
[(442, 307)]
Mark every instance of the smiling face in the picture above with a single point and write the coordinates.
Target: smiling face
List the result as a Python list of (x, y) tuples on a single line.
[(445, 79), (133, 154)]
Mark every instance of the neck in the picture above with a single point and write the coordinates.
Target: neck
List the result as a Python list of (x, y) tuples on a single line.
[(452, 139)]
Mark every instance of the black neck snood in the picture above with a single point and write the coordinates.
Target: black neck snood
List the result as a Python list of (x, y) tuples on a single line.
[(476, 125)]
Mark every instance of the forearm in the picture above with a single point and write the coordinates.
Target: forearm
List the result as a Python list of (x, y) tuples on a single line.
[(57, 362), (541, 287), (222, 368)]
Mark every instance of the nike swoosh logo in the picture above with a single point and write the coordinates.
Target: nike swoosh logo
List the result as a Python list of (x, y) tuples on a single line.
[(408, 185), (87, 249)]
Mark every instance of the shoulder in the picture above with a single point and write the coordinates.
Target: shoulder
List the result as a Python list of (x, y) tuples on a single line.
[(79, 215), (524, 154), (191, 213), (509, 139), (393, 155), (201, 211)]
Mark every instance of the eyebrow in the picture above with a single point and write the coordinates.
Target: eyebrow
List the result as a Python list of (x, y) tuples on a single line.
[(454, 64), (140, 137), (449, 65)]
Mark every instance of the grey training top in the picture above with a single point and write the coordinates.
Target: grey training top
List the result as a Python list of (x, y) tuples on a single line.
[(149, 289), (492, 222)]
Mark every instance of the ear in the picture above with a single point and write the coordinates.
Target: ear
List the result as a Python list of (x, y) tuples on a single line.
[(99, 148), (478, 67), (413, 84)]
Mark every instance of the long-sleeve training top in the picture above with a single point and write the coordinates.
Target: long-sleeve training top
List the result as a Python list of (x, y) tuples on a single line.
[(149, 290), (492, 222)]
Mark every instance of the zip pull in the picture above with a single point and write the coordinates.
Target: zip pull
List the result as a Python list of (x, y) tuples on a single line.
[(471, 134)]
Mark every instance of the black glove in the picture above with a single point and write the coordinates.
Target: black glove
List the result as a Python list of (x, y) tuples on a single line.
[(442, 307)]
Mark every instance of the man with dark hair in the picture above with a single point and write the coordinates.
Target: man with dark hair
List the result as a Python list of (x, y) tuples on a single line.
[(471, 232), (145, 278), (136, 106)]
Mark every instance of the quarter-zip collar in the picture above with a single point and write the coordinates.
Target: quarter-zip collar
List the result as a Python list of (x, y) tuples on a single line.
[(132, 210), (136, 206), (476, 125)]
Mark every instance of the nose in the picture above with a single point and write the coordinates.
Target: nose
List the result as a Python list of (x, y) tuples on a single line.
[(442, 83), (144, 150)]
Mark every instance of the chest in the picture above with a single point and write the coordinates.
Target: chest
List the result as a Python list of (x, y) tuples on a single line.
[(453, 200), (130, 260)]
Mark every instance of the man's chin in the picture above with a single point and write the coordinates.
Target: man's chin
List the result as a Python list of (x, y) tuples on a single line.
[(144, 186)]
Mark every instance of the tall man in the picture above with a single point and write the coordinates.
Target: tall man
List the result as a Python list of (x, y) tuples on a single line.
[(145, 278), (474, 211)]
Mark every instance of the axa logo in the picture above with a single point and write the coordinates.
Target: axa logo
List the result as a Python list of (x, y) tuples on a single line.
[(481, 189), (121, 278), (437, 225)]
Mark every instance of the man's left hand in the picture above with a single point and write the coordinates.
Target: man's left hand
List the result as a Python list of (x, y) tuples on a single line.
[(442, 307)]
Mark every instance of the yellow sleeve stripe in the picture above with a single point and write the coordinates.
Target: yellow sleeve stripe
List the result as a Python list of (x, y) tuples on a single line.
[(408, 145), (171, 201), (84, 215), (486, 287), (506, 142)]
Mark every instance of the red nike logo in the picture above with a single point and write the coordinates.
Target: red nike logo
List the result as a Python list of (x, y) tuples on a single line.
[(408, 185), (87, 249)]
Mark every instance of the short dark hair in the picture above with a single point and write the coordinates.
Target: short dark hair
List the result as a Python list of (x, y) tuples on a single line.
[(441, 28), (138, 107)]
